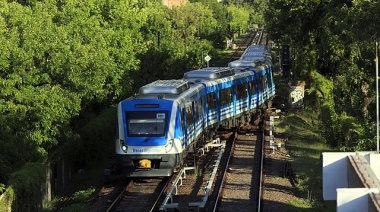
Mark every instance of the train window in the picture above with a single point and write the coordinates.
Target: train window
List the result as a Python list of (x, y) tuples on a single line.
[(225, 96), (241, 91), (147, 106), (143, 123), (189, 115), (211, 100)]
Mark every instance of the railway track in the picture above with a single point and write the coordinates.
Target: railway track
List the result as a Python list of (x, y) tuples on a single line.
[(140, 195), (225, 178), (242, 183)]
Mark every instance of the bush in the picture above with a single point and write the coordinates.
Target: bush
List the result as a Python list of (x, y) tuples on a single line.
[(26, 184)]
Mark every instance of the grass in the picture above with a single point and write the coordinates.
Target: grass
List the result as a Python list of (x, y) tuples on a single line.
[(305, 146)]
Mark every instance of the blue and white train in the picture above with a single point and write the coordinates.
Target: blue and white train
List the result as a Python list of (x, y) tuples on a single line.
[(165, 121)]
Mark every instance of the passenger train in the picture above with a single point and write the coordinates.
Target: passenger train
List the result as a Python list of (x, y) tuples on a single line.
[(166, 120)]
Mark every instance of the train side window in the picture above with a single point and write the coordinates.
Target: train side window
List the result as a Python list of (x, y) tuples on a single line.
[(211, 100), (225, 96), (189, 115), (241, 91)]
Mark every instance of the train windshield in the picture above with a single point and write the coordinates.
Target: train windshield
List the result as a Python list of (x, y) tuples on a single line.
[(146, 123)]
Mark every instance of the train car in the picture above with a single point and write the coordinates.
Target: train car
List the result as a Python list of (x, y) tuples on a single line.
[(167, 119), (256, 52), (151, 127)]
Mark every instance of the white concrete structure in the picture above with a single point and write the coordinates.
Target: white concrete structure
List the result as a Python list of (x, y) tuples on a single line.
[(353, 199), (350, 178), (334, 173)]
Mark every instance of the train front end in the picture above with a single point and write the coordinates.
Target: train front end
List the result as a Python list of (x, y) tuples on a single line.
[(147, 143), (144, 148)]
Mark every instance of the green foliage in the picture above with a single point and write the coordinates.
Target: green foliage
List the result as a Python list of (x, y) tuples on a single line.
[(329, 37), (76, 207), (96, 141), (330, 125), (63, 62), (2, 188), (7, 199), (59, 59), (26, 184), (319, 90), (84, 195), (238, 19)]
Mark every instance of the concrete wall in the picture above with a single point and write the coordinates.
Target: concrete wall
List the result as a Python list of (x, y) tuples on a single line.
[(354, 199), (355, 178), (334, 173), (375, 164)]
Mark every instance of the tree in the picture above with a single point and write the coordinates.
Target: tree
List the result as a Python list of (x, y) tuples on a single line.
[(238, 19), (328, 36)]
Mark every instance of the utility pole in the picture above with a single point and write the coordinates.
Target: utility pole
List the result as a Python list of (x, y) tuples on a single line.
[(377, 99)]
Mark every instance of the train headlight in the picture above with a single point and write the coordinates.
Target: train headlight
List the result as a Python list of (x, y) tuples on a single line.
[(123, 146), (169, 145)]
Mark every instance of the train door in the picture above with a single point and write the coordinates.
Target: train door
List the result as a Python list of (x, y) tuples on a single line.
[(264, 86), (259, 83), (204, 114), (211, 109), (198, 126), (226, 103), (271, 86), (190, 130), (182, 129), (241, 97), (234, 99)]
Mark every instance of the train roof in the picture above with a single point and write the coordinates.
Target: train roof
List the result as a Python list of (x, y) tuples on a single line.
[(172, 90), (256, 52), (165, 87), (256, 48), (244, 63), (210, 73)]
